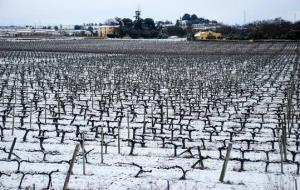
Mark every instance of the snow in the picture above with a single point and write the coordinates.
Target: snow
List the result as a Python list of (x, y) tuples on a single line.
[(117, 171)]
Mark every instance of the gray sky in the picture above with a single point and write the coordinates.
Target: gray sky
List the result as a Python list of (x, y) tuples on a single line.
[(51, 12)]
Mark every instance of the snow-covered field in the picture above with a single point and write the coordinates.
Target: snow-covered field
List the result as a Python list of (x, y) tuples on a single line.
[(150, 113)]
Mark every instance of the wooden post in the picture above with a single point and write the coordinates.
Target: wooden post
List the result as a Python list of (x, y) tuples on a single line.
[(13, 121), (167, 109), (71, 167), (280, 149), (144, 120), (30, 116), (286, 126), (119, 140), (3, 100), (128, 127), (14, 110), (92, 101), (27, 91), (162, 112), (225, 162), (200, 158), (83, 153), (45, 108), (168, 185), (152, 121), (102, 142), (58, 105), (12, 148)]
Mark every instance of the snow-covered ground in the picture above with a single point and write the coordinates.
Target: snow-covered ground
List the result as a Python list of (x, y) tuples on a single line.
[(169, 101)]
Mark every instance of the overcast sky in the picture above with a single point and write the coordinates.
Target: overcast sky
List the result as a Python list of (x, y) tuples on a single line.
[(52, 12)]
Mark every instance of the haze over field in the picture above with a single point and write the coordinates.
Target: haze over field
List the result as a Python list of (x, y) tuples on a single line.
[(42, 12)]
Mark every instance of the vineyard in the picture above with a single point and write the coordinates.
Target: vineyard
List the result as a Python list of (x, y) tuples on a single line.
[(149, 114)]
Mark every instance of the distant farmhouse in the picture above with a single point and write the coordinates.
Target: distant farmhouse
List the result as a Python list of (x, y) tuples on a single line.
[(208, 35), (195, 28), (107, 31), (16, 31), (204, 27), (36, 33), (110, 29), (197, 24)]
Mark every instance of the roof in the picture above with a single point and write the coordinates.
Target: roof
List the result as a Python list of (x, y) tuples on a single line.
[(110, 26), (199, 34)]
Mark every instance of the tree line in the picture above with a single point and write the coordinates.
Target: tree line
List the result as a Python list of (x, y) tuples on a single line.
[(260, 30), (148, 28)]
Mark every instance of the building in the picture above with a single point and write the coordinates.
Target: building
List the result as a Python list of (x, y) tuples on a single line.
[(208, 35), (107, 31), (183, 24), (203, 27), (197, 26), (36, 33)]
